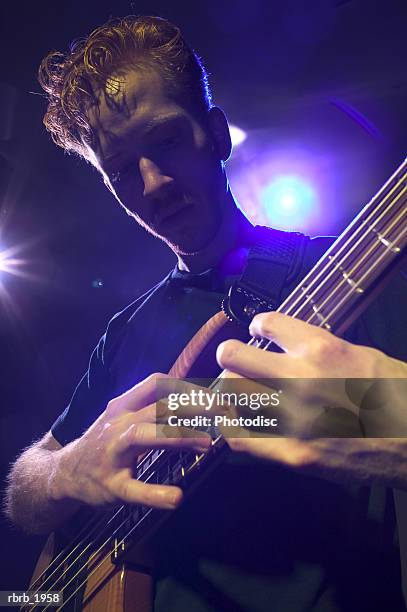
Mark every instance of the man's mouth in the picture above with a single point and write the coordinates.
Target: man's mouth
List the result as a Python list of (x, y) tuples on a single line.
[(171, 216)]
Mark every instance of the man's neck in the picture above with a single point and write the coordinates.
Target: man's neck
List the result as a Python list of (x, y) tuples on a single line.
[(226, 247)]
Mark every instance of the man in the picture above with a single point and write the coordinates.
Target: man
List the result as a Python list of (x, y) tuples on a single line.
[(282, 534)]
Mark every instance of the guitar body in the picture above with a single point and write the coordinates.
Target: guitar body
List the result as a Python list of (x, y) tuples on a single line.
[(119, 591), (109, 588)]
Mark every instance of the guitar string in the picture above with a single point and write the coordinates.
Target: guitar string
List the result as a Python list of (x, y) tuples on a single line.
[(105, 558), (90, 544), (351, 290), (314, 272), (85, 565), (108, 555), (352, 271), (332, 261), (344, 261), (40, 585), (304, 304), (99, 536), (322, 322), (86, 527)]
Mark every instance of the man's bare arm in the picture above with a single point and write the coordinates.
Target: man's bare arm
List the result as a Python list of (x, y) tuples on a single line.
[(29, 500), (48, 483)]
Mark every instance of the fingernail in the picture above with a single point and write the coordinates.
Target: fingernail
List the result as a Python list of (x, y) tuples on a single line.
[(175, 497)]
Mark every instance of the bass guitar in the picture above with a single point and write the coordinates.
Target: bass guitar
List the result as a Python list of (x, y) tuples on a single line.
[(106, 563)]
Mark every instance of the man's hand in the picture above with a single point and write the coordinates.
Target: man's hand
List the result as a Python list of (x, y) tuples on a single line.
[(97, 467), (313, 353), (309, 352)]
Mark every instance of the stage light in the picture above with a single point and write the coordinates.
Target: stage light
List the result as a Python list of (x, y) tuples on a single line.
[(286, 187), (287, 201), (237, 135), (9, 263)]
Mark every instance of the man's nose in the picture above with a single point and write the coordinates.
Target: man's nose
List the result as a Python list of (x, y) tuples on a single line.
[(156, 183)]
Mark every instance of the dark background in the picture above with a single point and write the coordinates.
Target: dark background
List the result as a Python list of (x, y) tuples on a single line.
[(276, 69)]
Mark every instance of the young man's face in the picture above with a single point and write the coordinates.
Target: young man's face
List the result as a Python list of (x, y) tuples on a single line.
[(159, 161)]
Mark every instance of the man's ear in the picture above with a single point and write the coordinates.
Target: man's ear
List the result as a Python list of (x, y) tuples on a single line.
[(219, 128)]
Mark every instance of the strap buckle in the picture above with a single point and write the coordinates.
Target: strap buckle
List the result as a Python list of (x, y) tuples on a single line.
[(242, 304)]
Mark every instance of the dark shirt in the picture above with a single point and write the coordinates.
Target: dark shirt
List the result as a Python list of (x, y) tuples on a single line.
[(257, 537)]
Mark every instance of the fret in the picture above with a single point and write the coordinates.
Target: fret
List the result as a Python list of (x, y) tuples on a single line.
[(346, 275), (315, 307), (389, 245)]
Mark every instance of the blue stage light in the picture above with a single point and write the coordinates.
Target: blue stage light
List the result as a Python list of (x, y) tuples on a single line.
[(287, 201)]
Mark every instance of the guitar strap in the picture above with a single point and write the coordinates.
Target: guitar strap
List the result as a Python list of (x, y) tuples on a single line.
[(274, 260)]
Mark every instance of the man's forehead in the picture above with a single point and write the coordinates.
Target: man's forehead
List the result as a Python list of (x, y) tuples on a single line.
[(122, 94), (131, 98)]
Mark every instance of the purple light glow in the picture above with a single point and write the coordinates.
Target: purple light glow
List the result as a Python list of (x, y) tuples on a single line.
[(284, 188)]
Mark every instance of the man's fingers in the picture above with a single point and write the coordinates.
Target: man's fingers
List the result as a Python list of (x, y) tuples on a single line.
[(163, 409), (289, 451), (252, 362), (142, 394), (290, 334), (132, 491), (143, 436), (182, 437), (162, 393)]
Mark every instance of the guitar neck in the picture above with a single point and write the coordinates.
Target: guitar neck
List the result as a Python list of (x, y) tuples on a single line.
[(343, 281)]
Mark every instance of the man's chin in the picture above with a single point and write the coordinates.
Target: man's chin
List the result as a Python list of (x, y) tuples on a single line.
[(188, 240), (191, 243)]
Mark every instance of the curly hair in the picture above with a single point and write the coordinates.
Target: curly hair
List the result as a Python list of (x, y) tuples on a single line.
[(72, 80)]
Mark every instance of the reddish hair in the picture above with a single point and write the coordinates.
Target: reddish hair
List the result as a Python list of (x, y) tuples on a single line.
[(72, 80)]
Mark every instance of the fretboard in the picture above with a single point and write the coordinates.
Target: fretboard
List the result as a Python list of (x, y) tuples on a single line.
[(361, 255)]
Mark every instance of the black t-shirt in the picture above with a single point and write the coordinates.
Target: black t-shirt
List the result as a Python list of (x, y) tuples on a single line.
[(257, 537)]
